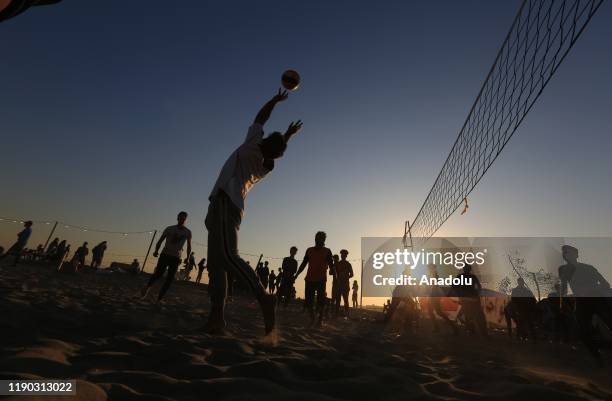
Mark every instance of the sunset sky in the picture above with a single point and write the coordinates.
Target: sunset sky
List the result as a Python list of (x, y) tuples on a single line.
[(117, 115)]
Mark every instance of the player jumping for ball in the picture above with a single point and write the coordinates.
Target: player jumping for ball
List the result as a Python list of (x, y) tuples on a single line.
[(245, 167)]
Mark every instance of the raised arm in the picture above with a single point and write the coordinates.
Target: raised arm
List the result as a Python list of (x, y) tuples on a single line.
[(264, 114), (293, 128)]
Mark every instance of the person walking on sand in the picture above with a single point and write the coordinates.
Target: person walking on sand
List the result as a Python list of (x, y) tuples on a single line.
[(175, 236), (22, 240), (524, 307), (245, 167), (289, 268), (201, 267), (355, 294), (344, 273), (319, 259)]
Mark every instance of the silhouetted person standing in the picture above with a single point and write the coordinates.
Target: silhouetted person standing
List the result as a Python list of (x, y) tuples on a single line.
[(524, 307), (289, 268), (175, 236), (201, 268), (355, 294), (97, 254), (271, 282), (344, 273), (78, 260), (245, 167), (319, 259), (590, 291), (334, 292), (135, 267), (22, 240), (386, 306), (265, 274)]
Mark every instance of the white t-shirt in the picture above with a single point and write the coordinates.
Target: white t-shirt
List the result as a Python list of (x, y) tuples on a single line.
[(243, 169), (176, 236)]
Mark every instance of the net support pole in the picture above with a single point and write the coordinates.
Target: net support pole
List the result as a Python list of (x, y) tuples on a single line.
[(50, 235), (144, 263)]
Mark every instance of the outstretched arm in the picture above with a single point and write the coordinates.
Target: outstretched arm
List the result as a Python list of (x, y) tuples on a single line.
[(264, 114), (293, 128)]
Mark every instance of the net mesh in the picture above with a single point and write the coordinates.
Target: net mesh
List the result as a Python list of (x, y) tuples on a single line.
[(540, 37)]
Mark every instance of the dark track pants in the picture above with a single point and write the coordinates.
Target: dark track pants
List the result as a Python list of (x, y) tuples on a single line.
[(223, 222), (165, 262), (312, 288)]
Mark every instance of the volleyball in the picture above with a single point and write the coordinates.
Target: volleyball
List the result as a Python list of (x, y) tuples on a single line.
[(290, 80)]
